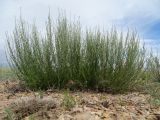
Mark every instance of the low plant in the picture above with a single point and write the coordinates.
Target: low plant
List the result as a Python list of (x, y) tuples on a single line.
[(154, 90), (26, 106), (31, 117), (68, 101), (154, 68), (9, 114), (6, 73)]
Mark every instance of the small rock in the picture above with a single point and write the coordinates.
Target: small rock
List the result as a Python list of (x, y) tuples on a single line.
[(157, 116), (105, 104)]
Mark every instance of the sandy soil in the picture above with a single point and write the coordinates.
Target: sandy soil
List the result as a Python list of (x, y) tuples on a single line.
[(88, 105)]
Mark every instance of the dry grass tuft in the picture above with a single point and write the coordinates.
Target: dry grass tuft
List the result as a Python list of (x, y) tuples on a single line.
[(25, 106)]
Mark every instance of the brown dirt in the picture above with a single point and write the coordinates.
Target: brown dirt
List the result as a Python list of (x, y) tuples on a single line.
[(89, 105)]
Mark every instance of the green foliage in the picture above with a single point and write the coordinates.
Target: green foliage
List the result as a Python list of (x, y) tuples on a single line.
[(91, 59), (156, 101), (68, 101), (153, 88), (154, 68), (9, 114), (31, 117)]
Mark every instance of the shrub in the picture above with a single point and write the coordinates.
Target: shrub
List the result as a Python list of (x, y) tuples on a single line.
[(152, 86), (154, 68), (91, 59)]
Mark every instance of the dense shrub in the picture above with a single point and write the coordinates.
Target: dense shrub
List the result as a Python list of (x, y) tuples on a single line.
[(87, 59)]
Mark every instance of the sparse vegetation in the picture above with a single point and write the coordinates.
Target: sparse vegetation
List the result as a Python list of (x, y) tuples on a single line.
[(153, 89), (26, 106), (31, 117), (6, 73), (154, 68), (152, 84), (68, 101), (9, 114)]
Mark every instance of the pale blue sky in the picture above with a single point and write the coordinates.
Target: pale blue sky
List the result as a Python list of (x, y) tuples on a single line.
[(144, 15)]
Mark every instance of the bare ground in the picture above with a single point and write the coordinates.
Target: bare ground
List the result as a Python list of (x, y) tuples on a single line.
[(89, 105)]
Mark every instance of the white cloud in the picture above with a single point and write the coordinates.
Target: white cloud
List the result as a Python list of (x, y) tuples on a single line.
[(92, 12), (104, 13)]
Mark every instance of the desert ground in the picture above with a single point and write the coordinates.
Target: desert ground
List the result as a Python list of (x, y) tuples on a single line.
[(17, 102)]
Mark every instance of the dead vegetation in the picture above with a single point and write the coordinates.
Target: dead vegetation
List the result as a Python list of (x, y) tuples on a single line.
[(26, 106)]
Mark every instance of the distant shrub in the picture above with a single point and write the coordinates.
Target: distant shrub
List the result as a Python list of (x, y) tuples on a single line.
[(154, 68), (153, 88), (6, 74), (90, 59)]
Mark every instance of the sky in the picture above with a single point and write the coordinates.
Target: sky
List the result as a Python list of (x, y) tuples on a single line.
[(142, 15)]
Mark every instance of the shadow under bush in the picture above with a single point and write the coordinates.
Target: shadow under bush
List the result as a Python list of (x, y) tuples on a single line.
[(67, 55)]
